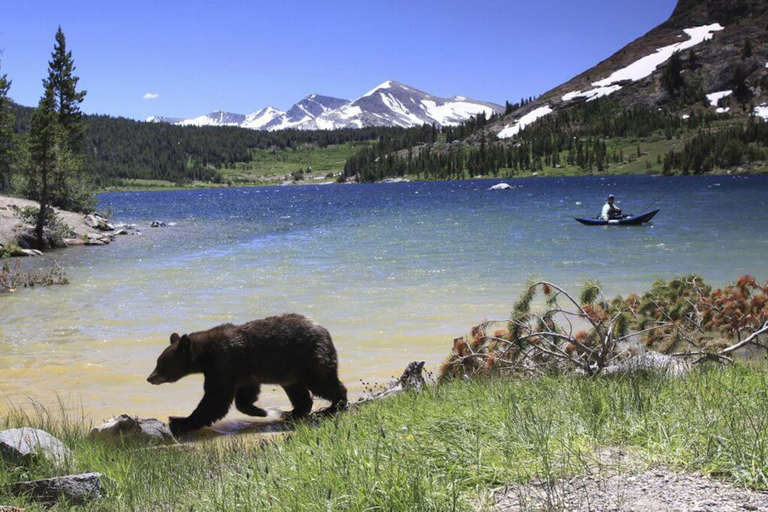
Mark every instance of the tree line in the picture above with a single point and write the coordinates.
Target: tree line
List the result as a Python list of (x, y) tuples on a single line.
[(574, 136)]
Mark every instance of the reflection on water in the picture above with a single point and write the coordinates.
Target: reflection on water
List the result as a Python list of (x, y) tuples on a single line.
[(394, 272)]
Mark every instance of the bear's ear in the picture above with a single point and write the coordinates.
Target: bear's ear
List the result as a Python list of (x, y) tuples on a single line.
[(184, 344), (174, 338)]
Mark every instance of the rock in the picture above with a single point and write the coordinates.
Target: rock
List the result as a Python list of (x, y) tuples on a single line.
[(501, 186), (77, 489), (98, 222), (151, 430), (91, 221), (650, 362), (21, 445), (27, 252), (157, 224), (71, 242)]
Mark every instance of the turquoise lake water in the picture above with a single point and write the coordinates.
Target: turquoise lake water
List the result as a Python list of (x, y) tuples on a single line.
[(394, 271)]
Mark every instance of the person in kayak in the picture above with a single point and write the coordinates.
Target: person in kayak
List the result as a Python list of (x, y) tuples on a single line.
[(610, 210)]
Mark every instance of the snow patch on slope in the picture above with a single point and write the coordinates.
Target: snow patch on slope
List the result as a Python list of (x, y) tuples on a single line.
[(643, 68), (761, 111), (715, 97), (529, 118), (453, 112), (593, 94)]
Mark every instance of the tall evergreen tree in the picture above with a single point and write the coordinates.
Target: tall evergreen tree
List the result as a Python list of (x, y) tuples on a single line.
[(45, 156), (746, 50), (671, 78), (6, 134), (741, 90), (61, 76), (69, 185)]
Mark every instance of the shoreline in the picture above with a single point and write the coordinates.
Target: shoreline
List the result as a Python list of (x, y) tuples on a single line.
[(413, 179), (84, 226)]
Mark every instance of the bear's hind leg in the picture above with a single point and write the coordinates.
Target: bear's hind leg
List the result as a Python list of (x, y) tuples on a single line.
[(300, 399), (330, 388), (245, 398)]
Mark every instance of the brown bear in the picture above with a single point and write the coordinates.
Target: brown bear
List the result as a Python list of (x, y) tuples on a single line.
[(289, 350)]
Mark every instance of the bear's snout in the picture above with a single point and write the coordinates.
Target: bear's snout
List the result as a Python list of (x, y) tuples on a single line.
[(155, 379)]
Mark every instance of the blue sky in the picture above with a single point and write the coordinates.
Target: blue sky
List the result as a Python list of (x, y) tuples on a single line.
[(200, 56)]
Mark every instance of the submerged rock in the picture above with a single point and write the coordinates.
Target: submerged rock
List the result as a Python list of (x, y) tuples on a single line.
[(22, 445), (77, 489), (127, 425)]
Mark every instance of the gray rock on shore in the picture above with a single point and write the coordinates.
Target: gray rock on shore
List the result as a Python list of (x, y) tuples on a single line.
[(127, 425), (77, 489), (22, 445)]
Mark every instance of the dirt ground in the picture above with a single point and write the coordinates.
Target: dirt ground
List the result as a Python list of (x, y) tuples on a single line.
[(619, 483)]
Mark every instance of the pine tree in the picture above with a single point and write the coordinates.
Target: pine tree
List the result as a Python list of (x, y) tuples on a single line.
[(6, 134), (69, 187), (746, 51), (741, 90), (45, 155), (61, 76), (671, 78), (693, 60)]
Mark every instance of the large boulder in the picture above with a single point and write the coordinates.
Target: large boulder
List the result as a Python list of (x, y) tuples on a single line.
[(22, 445), (127, 425), (77, 489), (98, 222)]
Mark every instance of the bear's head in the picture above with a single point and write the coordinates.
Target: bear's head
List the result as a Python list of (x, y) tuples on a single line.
[(174, 363)]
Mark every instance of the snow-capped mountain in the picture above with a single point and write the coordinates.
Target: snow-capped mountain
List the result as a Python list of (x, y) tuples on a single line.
[(261, 118), (163, 119), (396, 104), (216, 118), (389, 104)]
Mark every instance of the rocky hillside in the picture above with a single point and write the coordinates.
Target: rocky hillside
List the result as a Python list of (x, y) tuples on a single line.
[(721, 48)]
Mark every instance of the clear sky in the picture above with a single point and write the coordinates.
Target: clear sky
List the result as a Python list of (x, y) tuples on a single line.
[(198, 56)]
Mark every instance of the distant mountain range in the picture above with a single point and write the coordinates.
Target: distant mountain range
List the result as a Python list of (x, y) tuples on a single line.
[(389, 104)]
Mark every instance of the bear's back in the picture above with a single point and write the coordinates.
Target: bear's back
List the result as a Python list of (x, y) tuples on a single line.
[(275, 349)]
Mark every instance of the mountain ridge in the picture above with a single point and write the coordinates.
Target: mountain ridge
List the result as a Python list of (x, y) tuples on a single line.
[(388, 104), (714, 31)]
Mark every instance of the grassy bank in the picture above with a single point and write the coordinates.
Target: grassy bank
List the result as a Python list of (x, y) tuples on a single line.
[(445, 447)]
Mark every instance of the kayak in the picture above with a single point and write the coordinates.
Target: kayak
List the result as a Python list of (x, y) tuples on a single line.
[(629, 220)]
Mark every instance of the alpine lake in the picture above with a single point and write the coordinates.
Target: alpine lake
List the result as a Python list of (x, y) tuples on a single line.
[(394, 271)]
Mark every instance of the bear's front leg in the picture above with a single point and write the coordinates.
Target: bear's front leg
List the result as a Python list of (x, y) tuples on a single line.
[(214, 406)]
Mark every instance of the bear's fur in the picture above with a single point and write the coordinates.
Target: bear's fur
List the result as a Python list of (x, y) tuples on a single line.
[(289, 350)]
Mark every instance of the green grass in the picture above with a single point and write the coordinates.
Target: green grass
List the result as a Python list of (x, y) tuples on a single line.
[(274, 165), (442, 449)]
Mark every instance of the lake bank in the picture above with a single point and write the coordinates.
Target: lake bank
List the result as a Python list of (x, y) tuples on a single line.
[(461, 446), (12, 228), (394, 272)]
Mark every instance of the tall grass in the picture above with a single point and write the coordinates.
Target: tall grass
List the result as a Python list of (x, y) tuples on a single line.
[(446, 447)]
